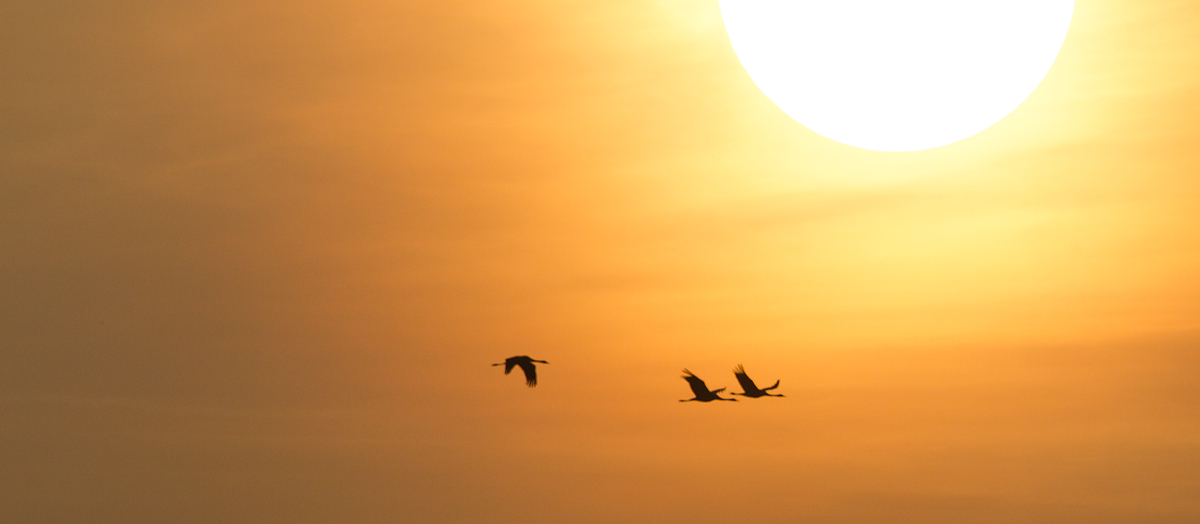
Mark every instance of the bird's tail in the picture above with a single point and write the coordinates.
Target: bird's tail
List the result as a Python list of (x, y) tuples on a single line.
[(772, 387)]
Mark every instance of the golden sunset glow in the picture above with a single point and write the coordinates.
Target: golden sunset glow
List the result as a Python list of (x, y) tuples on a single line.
[(258, 258), (897, 76)]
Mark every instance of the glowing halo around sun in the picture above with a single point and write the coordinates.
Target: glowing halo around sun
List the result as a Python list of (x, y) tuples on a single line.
[(897, 75)]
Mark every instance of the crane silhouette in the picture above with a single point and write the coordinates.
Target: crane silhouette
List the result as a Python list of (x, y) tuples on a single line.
[(748, 387), (701, 390), (527, 366)]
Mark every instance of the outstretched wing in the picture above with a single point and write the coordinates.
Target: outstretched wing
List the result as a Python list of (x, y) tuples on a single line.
[(509, 364), (744, 379), (696, 384), (530, 372)]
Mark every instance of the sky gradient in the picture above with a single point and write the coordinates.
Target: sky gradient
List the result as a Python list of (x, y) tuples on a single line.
[(257, 256)]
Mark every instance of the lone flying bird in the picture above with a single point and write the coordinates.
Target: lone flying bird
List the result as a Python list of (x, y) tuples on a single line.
[(748, 387), (701, 390), (527, 366)]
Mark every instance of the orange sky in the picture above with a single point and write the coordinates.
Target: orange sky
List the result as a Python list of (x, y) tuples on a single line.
[(256, 256)]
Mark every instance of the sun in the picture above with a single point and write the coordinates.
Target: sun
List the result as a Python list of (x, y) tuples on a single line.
[(897, 75)]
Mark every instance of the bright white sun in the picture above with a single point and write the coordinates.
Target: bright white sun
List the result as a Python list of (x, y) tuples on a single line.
[(897, 75)]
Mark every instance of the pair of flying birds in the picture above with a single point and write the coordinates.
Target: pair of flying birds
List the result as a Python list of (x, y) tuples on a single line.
[(749, 389)]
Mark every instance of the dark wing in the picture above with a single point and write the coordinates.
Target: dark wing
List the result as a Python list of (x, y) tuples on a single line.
[(530, 372), (696, 384), (744, 379), (509, 364)]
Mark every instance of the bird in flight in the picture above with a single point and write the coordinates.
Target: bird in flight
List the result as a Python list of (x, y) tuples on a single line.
[(748, 387), (701, 390), (527, 366)]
